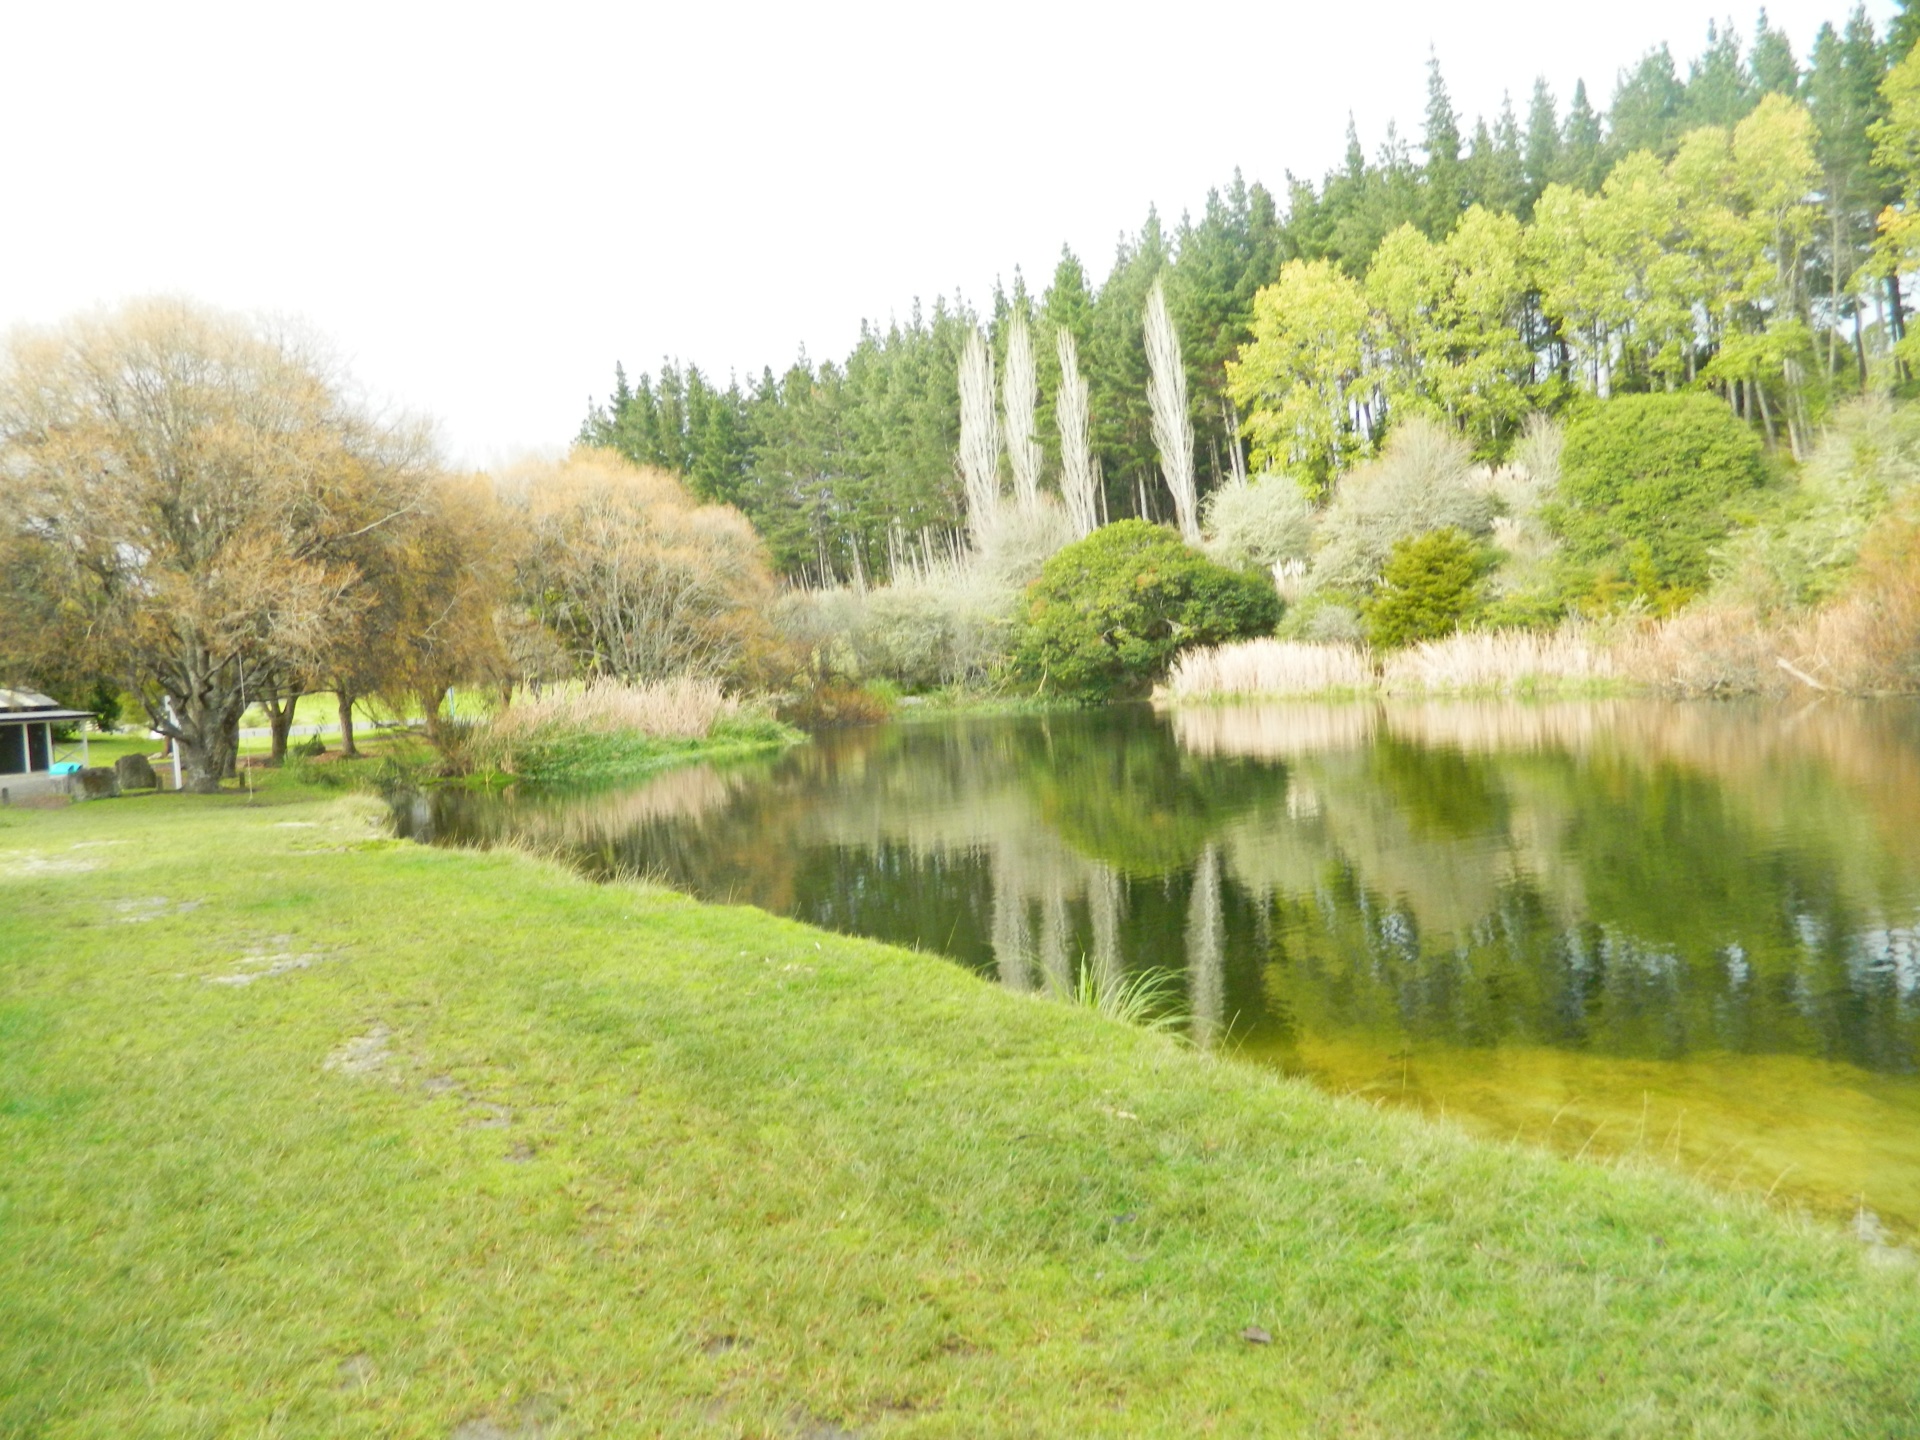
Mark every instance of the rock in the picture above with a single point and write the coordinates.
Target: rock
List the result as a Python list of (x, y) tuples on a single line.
[(99, 782), (136, 773)]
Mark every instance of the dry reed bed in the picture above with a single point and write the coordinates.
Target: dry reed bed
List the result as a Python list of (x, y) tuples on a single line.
[(680, 709), (1498, 663), (1468, 663), (1268, 668)]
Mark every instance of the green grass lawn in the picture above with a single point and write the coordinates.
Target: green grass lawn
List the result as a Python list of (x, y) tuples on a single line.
[(310, 1133)]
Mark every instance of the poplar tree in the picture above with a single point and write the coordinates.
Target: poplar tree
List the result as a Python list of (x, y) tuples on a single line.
[(979, 457), (1079, 476), (1018, 395), (1172, 426)]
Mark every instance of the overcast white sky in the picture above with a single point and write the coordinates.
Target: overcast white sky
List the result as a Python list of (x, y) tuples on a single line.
[(484, 207)]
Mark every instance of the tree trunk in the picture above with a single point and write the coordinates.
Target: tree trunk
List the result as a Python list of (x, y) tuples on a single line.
[(279, 724), (1833, 292), (1859, 348), (431, 705), (1766, 411), (201, 725), (230, 745), (347, 750), (1896, 323), (203, 766)]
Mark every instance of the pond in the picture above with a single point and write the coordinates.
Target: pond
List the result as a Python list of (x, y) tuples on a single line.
[(1684, 932)]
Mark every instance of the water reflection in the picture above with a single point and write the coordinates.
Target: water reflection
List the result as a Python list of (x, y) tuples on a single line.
[(1683, 930)]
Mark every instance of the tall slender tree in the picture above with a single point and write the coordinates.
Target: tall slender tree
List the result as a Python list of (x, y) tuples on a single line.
[(979, 435), (1172, 426), (1019, 392), (1079, 477)]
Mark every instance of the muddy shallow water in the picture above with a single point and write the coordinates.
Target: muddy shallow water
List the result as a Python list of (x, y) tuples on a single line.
[(1689, 932)]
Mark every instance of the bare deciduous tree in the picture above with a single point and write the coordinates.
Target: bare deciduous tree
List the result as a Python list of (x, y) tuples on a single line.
[(979, 435), (637, 579), (1020, 389), (188, 483), (438, 610), (1079, 479), (1167, 400)]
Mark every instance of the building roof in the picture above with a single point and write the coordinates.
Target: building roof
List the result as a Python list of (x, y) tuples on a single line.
[(31, 705)]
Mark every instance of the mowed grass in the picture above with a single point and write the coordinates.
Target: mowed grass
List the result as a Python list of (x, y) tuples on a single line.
[(482, 1145)]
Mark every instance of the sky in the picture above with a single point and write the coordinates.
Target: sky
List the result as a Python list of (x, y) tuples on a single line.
[(483, 207)]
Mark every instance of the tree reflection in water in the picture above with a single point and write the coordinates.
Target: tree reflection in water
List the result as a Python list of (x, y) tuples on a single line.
[(1690, 930)]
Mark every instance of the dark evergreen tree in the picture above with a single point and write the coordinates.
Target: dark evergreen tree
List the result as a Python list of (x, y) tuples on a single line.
[(1583, 149), (1843, 92), (1903, 31), (1219, 265), (1720, 90), (1443, 172), (1496, 165), (1775, 71), (1647, 106), (1115, 357), (1541, 159)]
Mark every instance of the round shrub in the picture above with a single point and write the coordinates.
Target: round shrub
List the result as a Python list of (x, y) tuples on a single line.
[(1430, 584), (1646, 483), (1261, 523), (1108, 612)]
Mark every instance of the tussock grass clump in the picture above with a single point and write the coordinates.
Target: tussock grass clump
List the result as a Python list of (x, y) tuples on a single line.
[(1501, 662), (1268, 668)]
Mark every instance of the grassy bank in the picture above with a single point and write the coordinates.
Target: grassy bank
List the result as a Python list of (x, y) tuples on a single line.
[(604, 729), (564, 757), (313, 1133)]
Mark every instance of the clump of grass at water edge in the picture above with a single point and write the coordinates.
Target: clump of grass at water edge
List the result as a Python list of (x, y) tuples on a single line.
[(605, 728)]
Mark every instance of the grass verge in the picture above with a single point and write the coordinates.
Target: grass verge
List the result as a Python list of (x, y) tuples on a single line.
[(567, 757), (309, 1132)]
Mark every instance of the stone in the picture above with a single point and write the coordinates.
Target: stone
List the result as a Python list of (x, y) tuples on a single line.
[(99, 782), (136, 773)]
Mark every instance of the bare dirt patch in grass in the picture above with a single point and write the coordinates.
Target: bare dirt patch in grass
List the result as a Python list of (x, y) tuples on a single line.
[(270, 959), (367, 1054)]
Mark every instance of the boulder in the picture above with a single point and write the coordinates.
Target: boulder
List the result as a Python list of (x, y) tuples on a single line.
[(136, 773), (99, 782)]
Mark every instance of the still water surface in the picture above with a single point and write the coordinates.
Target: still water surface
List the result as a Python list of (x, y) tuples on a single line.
[(1685, 932)]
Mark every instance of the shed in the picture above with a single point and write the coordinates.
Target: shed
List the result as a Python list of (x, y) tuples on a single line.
[(27, 758)]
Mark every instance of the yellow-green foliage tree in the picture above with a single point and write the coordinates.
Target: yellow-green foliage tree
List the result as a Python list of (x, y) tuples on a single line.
[(1896, 150), (1768, 179), (1447, 321), (1682, 272), (1298, 378)]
